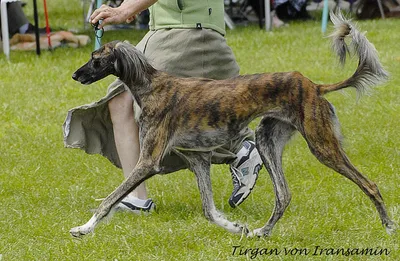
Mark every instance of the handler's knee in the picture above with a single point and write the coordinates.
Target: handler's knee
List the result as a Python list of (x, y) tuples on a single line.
[(121, 108)]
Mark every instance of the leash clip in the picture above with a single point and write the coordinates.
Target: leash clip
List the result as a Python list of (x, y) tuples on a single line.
[(98, 32)]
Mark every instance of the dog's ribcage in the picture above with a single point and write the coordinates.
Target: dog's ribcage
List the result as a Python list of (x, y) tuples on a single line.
[(203, 114)]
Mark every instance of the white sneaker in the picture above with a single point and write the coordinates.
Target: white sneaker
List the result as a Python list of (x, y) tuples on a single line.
[(244, 172), (136, 205)]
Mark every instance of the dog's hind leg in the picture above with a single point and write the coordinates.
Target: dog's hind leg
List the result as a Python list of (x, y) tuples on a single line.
[(271, 137), (323, 137), (200, 163)]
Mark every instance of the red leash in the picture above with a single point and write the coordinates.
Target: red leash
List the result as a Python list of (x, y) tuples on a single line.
[(47, 24)]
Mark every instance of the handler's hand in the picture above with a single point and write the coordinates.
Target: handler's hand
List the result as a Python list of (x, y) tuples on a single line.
[(110, 15)]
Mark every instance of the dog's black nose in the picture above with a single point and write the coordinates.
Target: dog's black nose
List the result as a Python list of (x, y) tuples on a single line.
[(74, 76)]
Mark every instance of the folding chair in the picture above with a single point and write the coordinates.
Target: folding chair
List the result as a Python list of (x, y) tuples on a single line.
[(242, 12)]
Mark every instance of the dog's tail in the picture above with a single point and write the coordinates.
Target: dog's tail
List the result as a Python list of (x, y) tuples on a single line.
[(369, 71)]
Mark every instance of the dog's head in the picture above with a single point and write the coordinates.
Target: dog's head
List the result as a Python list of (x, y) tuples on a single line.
[(102, 63), (118, 58)]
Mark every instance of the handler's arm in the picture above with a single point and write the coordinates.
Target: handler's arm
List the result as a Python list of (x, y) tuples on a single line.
[(126, 12)]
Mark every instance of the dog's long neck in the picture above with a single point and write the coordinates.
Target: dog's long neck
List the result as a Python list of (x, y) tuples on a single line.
[(134, 70)]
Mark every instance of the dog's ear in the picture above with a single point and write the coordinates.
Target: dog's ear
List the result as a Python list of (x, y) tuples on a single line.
[(119, 53), (118, 45), (125, 55), (130, 64), (112, 45), (123, 44)]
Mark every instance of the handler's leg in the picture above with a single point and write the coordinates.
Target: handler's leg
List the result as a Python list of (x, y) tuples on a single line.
[(126, 134), (205, 53), (17, 20)]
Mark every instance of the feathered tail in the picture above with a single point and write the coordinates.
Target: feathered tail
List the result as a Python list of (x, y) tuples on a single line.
[(369, 71)]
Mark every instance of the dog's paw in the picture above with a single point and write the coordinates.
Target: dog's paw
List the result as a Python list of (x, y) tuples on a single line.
[(241, 229), (259, 232), (80, 231), (391, 228)]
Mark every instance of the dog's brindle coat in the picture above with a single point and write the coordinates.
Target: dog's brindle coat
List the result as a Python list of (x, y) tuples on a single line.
[(192, 116)]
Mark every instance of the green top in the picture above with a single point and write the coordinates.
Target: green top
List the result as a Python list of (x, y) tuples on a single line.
[(188, 14)]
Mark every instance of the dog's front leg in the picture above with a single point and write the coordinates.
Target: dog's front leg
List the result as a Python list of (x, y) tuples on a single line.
[(200, 164), (138, 175)]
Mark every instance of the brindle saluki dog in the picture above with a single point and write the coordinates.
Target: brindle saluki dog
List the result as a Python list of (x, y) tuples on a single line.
[(190, 117)]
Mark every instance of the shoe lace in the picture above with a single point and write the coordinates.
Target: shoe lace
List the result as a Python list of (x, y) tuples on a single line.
[(235, 176)]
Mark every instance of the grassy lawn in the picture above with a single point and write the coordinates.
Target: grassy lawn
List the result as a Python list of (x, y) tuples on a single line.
[(46, 189)]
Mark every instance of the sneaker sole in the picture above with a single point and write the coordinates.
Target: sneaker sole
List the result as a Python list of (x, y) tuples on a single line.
[(128, 207), (245, 195)]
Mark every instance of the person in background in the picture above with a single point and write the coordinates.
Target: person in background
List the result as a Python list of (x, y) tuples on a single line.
[(259, 8), (288, 10), (186, 39), (17, 20)]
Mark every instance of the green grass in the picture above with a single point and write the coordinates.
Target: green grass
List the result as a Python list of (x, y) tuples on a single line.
[(46, 189)]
